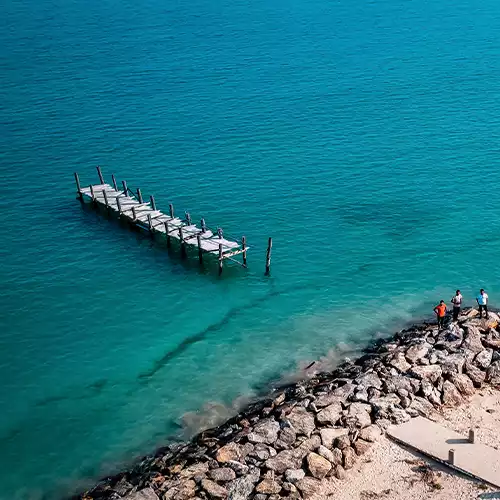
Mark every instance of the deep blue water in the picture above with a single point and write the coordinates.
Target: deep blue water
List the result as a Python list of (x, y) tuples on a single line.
[(362, 136)]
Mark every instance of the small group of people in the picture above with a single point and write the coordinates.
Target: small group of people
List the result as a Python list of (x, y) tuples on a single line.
[(456, 300)]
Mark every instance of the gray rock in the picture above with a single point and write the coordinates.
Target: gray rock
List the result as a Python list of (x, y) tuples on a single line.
[(323, 400), (284, 460), (318, 465), (463, 383), (122, 487), (431, 372), (214, 489), (399, 416), (308, 486), (328, 435), (451, 396), (475, 374), (343, 442), (294, 475), (344, 391), (422, 406), (435, 397), (268, 487), (266, 431), (483, 359), (261, 451), (302, 421), (493, 373), (222, 474), (260, 496), (349, 457), (360, 396), (238, 467), (426, 387), (369, 379), (330, 415), (359, 415), (417, 351), (472, 339), (370, 433), (326, 453), (399, 362), (144, 494), (194, 470), (242, 487), (454, 363)]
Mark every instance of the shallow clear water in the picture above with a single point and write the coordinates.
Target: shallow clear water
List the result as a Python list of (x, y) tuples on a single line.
[(361, 136)]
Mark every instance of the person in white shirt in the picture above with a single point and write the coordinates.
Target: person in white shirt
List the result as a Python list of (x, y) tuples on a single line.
[(456, 300), (482, 302)]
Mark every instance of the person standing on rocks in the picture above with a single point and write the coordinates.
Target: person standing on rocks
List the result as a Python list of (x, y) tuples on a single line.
[(482, 302), (456, 300), (440, 311)]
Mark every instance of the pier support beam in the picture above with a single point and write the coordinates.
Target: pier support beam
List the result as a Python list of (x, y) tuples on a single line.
[(118, 205), (200, 250), (134, 216), (153, 203), (268, 256), (167, 233), (139, 195), (99, 173), (125, 189), (92, 194), (244, 248), (183, 243), (150, 224), (220, 259), (78, 187), (106, 204), (113, 178), (188, 218), (203, 226), (171, 208)]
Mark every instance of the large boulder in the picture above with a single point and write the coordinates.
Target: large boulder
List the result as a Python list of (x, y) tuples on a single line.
[(451, 396), (231, 451), (294, 475), (399, 362), (308, 486), (483, 358), (493, 373), (330, 415), (472, 339), (361, 446), (370, 379), (144, 494), (454, 363), (417, 351), (266, 431), (213, 489), (430, 372), (475, 374), (286, 438), (329, 435), (370, 433), (318, 465), (463, 383), (301, 420), (359, 415), (222, 474), (284, 460)]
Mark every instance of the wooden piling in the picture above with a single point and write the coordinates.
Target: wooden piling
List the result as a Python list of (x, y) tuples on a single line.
[(451, 456), (106, 204), (203, 226), (183, 243), (78, 187), (150, 224), (153, 203), (134, 216), (200, 250), (220, 259), (118, 205), (171, 208), (472, 436), (188, 218), (125, 189), (139, 195), (113, 178), (268, 256), (220, 232), (167, 233), (92, 194), (99, 173), (244, 248)]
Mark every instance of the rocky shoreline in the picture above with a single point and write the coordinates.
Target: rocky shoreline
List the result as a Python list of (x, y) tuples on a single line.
[(285, 445)]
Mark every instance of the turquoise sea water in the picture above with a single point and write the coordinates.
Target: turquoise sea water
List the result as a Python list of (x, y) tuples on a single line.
[(361, 136)]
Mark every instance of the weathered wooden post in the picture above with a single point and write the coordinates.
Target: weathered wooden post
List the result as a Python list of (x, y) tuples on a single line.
[(167, 232), (134, 216), (472, 436), (119, 205), (220, 259), (200, 250), (106, 204), (171, 208), (139, 195), (220, 232), (183, 244), (92, 195), (125, 189), (451, 457), (150, 224), (203, 226), (188, 218), (113, 178), (244, 248), (268, 256), (78, 187), (99, 173), (153, 203)]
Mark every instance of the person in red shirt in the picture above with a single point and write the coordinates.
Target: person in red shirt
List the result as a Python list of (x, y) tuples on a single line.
[(440, 311)]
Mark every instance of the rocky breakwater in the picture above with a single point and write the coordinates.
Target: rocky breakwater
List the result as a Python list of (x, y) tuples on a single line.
[(284, 446)]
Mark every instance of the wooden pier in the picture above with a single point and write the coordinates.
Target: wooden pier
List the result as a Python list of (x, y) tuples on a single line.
[(130, 206)]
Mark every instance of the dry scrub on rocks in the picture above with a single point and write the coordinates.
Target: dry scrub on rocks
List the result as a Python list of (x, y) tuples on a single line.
[(283, 447)]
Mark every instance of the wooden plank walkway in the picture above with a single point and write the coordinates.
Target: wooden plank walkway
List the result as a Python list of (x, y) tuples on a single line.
[(126, 205), (467, 455)]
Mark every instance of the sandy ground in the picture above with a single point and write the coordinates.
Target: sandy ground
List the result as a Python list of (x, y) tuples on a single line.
[(390, 471)]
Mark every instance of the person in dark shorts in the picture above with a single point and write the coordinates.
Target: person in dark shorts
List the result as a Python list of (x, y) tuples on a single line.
[(482, 302), (440, 311), (456, 300)]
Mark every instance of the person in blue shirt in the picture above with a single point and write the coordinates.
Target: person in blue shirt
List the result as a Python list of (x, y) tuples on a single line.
[(482, 302)]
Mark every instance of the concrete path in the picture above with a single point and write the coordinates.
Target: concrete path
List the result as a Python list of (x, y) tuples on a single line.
[(435, 441)]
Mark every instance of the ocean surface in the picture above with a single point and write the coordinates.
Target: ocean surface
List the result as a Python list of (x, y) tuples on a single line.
[(363, 136)]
